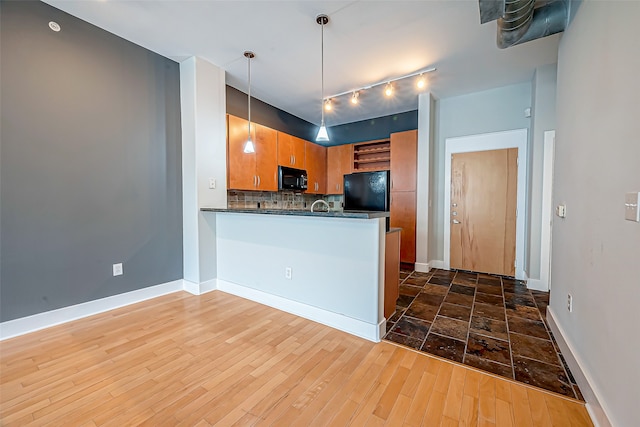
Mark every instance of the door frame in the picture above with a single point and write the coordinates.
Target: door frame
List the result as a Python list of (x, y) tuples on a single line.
[(483, 142), (546, 225)]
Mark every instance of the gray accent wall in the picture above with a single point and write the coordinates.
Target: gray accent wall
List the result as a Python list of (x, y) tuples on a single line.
[(268, 115), (372, 129), (90, 163)]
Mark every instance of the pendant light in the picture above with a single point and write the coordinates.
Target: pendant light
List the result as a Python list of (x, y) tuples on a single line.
[(323, 136), (248, 146)]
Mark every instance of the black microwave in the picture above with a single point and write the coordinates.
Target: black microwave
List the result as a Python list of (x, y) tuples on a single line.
[(292, 179)]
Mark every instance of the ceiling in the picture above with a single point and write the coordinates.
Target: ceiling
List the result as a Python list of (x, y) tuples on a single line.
[(365, 42)]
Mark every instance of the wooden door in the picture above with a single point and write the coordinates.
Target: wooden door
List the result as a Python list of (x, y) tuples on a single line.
[(403, 214), (483, 211), (339, 159), (404, 160), (316, 163), (241, 166), (266, 158)]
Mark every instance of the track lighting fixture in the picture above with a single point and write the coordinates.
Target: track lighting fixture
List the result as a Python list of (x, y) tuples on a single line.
[(248, 146), (327, 105), (323, 136), (421, 83)]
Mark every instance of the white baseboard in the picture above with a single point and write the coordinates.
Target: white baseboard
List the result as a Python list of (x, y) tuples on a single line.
[(537, 285), (422, 267), (437, 263), (36, 322), (595, 404), (368, 331), (200, 288)]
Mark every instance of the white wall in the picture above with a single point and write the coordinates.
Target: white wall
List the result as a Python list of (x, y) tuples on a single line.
[(425, 141), (481, 112), (203, 102), (334, 261), (595, 251), (543, 118)]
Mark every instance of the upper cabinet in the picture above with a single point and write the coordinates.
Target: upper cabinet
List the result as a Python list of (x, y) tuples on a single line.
[(404, 149), (251, 171), (291, 151), (316, 164), (339, 159)]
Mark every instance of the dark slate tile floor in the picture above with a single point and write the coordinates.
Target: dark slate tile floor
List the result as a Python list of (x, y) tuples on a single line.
[(489, 322)]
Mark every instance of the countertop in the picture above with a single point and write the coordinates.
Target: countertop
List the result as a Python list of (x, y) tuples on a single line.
[(300, 212)]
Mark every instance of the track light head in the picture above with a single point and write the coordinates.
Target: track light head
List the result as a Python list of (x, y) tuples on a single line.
[(388, 89)]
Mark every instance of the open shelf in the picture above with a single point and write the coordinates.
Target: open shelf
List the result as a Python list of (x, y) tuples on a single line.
[(372, 155)]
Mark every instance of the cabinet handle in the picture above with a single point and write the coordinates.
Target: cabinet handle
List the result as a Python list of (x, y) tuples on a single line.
[(255, 181), (258, 180), (290, 159)]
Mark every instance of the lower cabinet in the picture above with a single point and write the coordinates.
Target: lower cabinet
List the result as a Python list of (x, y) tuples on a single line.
[(391, 271), (403, 215)]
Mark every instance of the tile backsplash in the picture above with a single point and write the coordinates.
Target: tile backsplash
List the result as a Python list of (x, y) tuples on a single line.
[(278, 200)]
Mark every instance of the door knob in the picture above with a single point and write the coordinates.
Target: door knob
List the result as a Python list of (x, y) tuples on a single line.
[(454, 213), (455, 221), (455, 205)]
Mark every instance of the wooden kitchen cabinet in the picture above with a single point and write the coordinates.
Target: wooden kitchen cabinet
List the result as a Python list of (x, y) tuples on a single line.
[(339, 159), (391, 271), (251, 171), (316, 164), (291, 151), (404, 160), (403, 215)]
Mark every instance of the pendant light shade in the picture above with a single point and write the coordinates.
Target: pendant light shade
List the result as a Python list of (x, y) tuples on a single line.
[(323, 136), (248, 146)]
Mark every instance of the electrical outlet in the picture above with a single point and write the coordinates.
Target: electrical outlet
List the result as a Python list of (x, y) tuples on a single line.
[(212, 183), (287, 273), (569, 303), (117, 269)]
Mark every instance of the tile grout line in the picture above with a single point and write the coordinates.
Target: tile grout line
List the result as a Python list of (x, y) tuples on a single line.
[(466, 342), (506, 321)]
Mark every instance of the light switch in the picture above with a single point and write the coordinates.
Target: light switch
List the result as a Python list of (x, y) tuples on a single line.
[(561, 211), (631, 211)]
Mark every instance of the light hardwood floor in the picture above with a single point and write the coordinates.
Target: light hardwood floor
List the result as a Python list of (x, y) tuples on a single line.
[(218, 359)]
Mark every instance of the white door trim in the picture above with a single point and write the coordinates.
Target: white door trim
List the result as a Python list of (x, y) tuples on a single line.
[(547, 209), (484, 142)]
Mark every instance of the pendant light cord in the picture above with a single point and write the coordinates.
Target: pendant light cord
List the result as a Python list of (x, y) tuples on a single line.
[(322, 70), (249, 102)]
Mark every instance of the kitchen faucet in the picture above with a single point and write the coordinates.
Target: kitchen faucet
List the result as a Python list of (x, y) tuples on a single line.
[(321, 202)]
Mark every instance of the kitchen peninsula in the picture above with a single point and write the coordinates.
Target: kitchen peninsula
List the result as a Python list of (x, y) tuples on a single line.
[(325, 266)]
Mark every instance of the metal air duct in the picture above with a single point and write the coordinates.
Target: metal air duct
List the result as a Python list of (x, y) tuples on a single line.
[(520, 21)]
